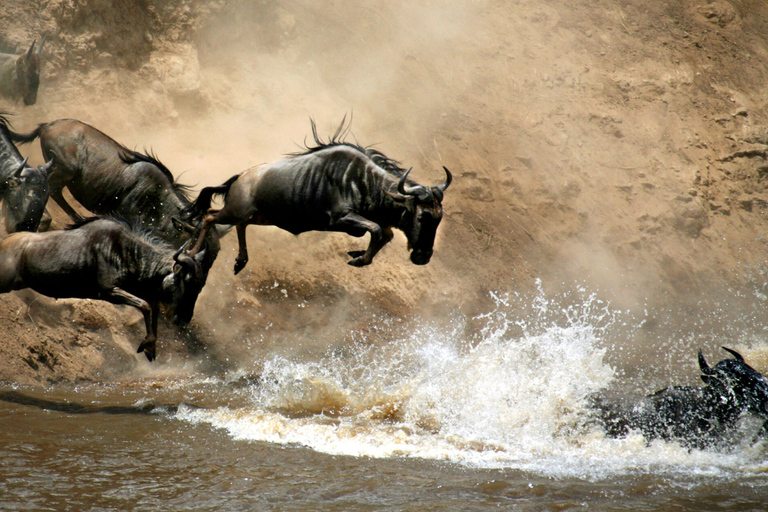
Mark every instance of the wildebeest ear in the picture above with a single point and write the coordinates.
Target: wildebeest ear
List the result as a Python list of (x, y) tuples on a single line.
[(183, 226), (398, 198)]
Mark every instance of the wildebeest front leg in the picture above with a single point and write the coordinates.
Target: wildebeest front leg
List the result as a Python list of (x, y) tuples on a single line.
[(379, 238), (119, 296)]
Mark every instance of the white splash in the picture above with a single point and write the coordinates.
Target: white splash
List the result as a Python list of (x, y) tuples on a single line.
[(515, 398)]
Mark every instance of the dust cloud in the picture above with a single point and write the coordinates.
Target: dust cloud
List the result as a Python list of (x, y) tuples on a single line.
[(585, 142)]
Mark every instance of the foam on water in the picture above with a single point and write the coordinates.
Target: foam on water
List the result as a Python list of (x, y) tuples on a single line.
[(513, 398)]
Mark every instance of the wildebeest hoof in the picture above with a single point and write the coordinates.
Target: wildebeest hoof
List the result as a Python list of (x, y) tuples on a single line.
[(358, 262), (239, 265), (149, 350), (356, 254)]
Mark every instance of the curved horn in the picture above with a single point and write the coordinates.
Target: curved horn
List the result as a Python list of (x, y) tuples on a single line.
[(186, 259), (40, 48), (403, 188), (23, 165), (734, 353), (705, 369), (31, 49), (448, 179), (178, 252), (46, 167)]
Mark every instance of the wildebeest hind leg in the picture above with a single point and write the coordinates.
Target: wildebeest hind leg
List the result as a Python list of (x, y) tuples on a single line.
[(45, 221), (59, 198), (120, 296), (242, 254), (208, 222)]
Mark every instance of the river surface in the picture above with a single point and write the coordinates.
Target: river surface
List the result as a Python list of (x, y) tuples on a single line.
[(431, 421)]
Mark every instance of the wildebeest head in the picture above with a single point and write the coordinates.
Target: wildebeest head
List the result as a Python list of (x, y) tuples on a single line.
[(28, 72), (738, 382), (423, 212), (25, 194), (184, 284)]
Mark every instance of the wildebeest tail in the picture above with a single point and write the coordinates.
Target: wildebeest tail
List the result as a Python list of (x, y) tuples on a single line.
[(197, 209), (21, 138)]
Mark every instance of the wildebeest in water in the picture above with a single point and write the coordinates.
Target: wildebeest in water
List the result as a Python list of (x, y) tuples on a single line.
[(697, 417), (20, 74), (334, 186), (103, 259), (23, 188)]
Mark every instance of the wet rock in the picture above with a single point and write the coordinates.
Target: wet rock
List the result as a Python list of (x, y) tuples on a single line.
[(719, 12), (745, 203), (719, 208), (690, 218)]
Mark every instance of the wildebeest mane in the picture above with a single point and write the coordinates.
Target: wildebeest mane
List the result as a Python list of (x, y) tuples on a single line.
[(338, 139), (5, 124), (133, 157), (4, 119)]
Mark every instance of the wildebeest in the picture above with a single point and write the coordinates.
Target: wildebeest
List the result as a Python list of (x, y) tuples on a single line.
[(107, 178), (697, 417), (20, 74), (106, 260), (334, 186), (23, 188)]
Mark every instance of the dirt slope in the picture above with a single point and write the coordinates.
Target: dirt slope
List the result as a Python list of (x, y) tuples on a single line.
[(621, 144)]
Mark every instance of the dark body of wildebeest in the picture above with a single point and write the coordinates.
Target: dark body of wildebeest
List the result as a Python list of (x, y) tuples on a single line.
[(696, 417), (106, 260), (20, 74), (23, 188), (107, 178), (333, 186)]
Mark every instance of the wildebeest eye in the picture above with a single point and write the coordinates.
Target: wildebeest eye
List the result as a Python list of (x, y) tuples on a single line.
[(13, 183)]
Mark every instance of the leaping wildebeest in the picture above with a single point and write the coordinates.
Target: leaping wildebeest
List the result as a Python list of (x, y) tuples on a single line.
[(105, 260), (20, 74), (23, 188), (107, 178), (334, 186), (697, 417)]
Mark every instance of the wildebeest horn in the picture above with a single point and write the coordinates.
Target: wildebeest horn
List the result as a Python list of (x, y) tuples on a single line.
[(180, 250), (18, 172), (184, 258), (734, 353), (403, 188), (448, 179), (705, 369), (31, 48), (46, 167), (40, 48)]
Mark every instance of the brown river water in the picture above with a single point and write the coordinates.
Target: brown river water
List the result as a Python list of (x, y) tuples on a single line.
[(427, 422)]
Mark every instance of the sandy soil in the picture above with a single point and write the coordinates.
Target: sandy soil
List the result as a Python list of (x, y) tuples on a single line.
[(617, 144)]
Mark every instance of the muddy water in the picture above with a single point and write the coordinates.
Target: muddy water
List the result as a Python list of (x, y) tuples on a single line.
[(429, 422)]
